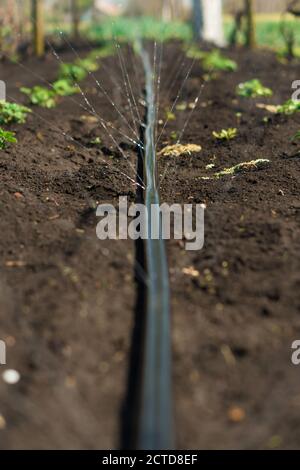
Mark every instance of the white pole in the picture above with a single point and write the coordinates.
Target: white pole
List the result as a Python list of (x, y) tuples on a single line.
[(213, 22)]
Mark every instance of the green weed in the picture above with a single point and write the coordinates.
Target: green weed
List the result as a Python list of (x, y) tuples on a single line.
[(253, 89), (6, 137), (12, 113), (226, 134), (41, 96)]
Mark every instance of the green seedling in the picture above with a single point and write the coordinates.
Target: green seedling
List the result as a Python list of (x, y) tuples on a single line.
[(194, 53), (96, 141), (215, 61), (289, 107), (253, 89), (41, 96), (244, 167), (88, 64), (181, 106), (73, 72), (174, 135), (13, 113), (6, 138), (64, 87), (102, 53), (266, 120), (296, 136), (170, 116), (238, 117), (226, 134)]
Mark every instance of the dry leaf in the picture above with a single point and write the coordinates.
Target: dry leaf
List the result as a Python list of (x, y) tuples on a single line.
[(190, 271), (267, 107), (178, 149), (15, 264)]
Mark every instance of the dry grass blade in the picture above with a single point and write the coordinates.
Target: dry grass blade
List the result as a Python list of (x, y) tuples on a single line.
[(177, 150)]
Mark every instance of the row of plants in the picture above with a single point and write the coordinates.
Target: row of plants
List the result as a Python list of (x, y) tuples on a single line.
[(66, 85), (69, 76), (11, 113), (213, 62)]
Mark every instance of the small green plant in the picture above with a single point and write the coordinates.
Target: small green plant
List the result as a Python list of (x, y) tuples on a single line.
[(174, 135), (41, 96), (96, 141), (253, 89), (6, 137), (215, 61), (12, 113), (105, 51), (226, 134), (170, 116), (64, 87), (194, 53), (266, 120), (73, 72), (296, 136), (289, 107), (212, 61), (181, 106), (88, 64)]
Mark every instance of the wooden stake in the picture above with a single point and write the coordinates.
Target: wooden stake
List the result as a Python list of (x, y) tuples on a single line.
[(38, 27), (75, 18), (250, 35)]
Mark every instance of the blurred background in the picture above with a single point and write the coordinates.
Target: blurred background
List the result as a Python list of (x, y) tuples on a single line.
[(103, 19)]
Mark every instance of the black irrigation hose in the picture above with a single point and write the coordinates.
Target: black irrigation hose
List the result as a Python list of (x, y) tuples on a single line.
[(155, 421)]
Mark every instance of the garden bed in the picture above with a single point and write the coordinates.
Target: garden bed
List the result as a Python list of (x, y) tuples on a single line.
[(67, 299)]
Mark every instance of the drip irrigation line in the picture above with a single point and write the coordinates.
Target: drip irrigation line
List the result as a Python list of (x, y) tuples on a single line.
[(155, 417)]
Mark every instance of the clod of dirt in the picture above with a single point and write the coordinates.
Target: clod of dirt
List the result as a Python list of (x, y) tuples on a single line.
[(244, 167), (236, 414), (177, 150)]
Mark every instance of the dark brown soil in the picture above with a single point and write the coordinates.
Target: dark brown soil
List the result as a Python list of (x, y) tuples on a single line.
[(69, 308), (67, 300), (233, 326)]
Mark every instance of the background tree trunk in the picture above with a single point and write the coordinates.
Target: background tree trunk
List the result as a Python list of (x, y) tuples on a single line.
[(250, 33), (38, 27), (75, 18), (213, 30)]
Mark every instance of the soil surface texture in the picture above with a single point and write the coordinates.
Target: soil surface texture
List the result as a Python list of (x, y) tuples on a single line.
[(68, 300)]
